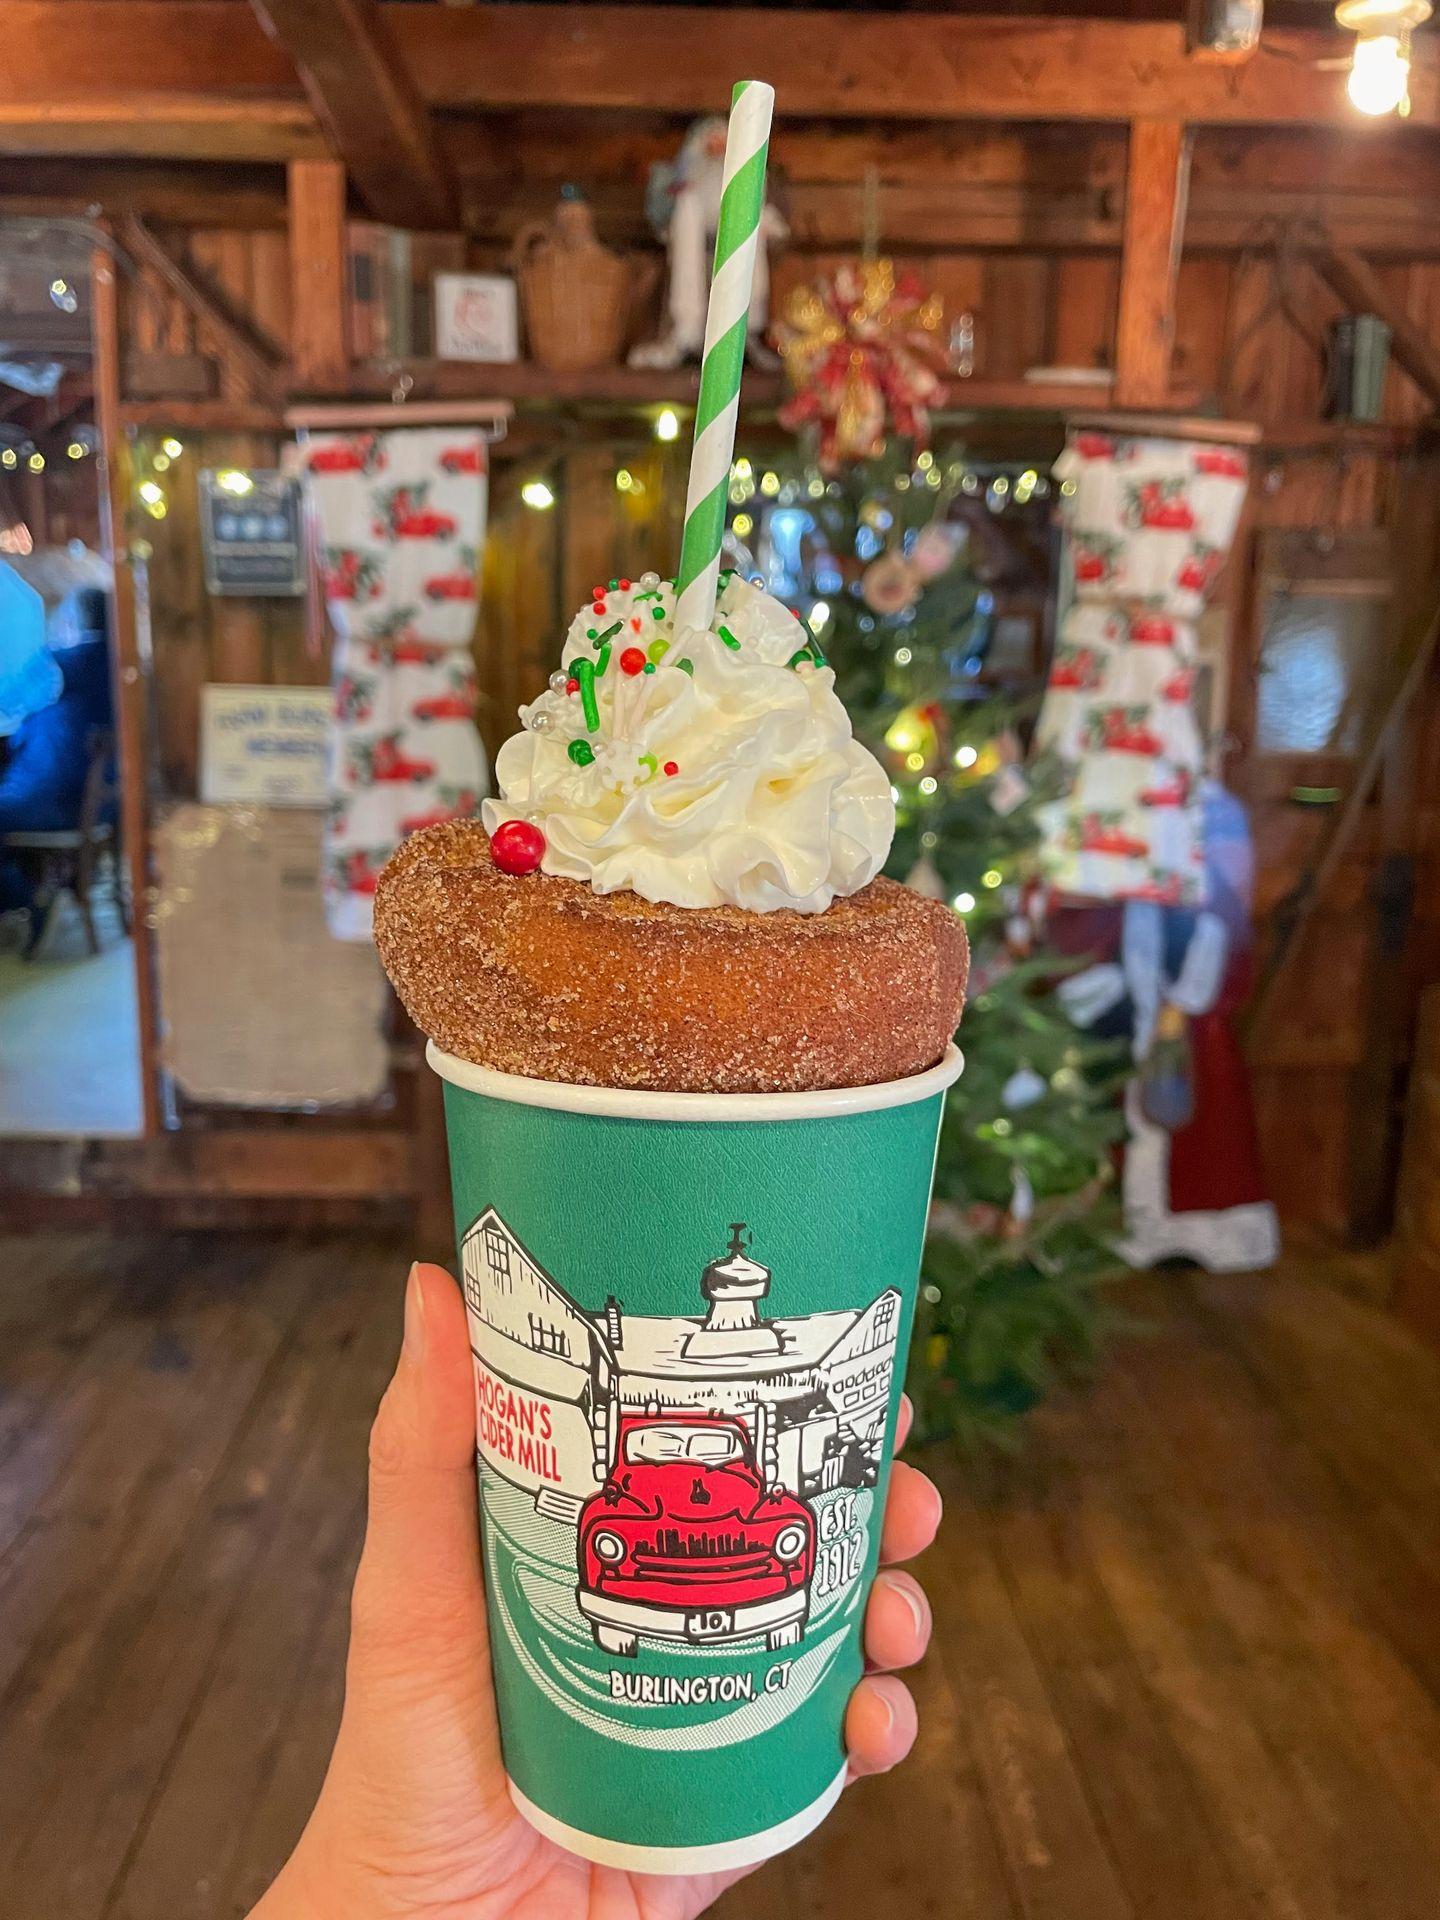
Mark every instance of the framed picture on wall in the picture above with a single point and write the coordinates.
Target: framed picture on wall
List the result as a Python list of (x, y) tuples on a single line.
[(476, 317)]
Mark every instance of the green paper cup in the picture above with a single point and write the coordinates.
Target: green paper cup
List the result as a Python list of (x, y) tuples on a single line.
[(689, 1315)]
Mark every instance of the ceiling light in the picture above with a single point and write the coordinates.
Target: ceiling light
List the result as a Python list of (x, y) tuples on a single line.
[(1379, 80)]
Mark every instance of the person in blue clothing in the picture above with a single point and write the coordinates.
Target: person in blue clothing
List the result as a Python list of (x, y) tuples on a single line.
[(45, 758)]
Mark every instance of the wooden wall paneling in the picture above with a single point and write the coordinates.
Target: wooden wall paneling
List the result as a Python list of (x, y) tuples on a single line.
[(239, 651), (1416, 286), (520, 621), (1086, 288), (131, 703), (1018, 301), (179, 625), (270, 282), (1202, 300), (592, 510), (1301, 1115), (1252, 324)]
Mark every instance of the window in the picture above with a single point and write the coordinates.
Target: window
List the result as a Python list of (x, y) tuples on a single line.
[(709, 1446), (547, 1339), (885, 1317), (497, 1253)]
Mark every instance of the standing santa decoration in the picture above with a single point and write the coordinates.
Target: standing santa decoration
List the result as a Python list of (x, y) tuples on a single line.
[(683, 202)]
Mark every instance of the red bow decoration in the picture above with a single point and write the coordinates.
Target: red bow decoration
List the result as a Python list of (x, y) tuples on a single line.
[(863, 354)]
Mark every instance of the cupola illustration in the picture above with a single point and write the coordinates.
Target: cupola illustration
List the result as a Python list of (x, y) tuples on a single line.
[(732, 1326)]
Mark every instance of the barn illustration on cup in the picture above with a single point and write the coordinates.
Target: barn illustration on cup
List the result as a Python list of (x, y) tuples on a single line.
[(686, 1452)]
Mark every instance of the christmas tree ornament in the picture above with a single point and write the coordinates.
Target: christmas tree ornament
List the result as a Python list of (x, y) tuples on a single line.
[(933, 551), (889, 585), (924, 879), (1024, 1087), (863, 352)]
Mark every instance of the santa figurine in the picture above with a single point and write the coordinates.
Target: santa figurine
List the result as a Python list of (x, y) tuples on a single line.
[(683, 202)]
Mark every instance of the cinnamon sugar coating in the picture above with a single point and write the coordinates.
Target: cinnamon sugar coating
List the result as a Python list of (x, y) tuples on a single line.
[(542, 977)]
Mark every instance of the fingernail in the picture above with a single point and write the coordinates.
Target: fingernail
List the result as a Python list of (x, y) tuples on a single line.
[(882, 1694), (914, 1605), (414, 1317)]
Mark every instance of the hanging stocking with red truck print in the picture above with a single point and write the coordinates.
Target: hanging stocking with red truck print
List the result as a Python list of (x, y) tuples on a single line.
[(1149, 524), (401, 519)]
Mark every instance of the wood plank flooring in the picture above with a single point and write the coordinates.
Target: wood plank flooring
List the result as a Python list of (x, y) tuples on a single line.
[(1187, 1652)]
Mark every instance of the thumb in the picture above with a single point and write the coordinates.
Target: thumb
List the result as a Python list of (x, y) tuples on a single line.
[(419, 1668)]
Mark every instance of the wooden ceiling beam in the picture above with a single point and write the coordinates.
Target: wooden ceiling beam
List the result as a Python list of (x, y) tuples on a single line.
[(161, 126), (363, 97), (900, 67)]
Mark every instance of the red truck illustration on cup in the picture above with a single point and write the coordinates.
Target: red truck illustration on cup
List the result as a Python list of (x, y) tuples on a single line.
[(702, 1478), (685, 1541)]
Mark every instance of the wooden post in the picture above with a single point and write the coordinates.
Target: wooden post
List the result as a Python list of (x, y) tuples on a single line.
[(1157, 182), (318, 336), (132, 731)]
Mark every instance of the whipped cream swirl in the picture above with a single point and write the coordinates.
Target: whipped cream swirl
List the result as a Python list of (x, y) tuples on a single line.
[(702, 768)]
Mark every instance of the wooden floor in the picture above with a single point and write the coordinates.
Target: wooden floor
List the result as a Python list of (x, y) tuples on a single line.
[(1187, 1659)]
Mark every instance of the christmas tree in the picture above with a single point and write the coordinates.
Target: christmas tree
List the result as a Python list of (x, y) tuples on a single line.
[(890, 561)]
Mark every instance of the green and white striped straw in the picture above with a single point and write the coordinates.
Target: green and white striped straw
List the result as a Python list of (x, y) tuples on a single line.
[(742, 201)]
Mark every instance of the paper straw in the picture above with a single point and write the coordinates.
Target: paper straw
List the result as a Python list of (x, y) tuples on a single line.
[(742, 202)]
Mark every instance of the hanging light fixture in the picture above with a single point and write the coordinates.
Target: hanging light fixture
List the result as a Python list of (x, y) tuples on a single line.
[(1379, 79)]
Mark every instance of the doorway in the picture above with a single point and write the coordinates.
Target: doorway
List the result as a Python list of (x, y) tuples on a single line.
[(70, 1055)]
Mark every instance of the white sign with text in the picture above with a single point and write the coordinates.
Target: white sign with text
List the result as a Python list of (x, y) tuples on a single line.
[(263, 746)]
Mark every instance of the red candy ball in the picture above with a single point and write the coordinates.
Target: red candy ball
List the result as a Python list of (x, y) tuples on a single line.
[(572, 686), (632, 660), (671, 768), (517, 846)]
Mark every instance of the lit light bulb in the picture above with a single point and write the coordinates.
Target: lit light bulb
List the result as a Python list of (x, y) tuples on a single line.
[(966, 756), (770, 484), (9, 457), (964, 903), (537, 494), (75, 450), (991, 877), (36, 463), (161, 463), (624, 481), (903, 656), (171, 447), (819, 614), (232, 480), (667, 424), (929, 784), (915, 761), (743, 525), (149, 492), (742, 469), (1379, 80)]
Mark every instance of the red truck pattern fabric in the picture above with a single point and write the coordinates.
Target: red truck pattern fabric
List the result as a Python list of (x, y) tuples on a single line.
[(1149, 525), (401, 522)]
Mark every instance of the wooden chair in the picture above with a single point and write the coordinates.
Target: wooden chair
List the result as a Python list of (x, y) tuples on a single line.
[(68, 858)]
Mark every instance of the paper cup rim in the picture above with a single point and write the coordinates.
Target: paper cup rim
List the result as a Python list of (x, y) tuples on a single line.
[(635, 1103)]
